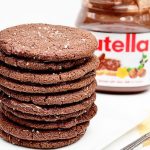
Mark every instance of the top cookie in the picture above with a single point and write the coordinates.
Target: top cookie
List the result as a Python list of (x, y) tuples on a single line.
[(47, 42)]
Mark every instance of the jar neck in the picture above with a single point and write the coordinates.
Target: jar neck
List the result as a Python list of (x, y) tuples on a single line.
[(105, 15)]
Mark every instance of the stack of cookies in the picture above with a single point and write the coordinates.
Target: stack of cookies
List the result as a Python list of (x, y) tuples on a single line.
[(47, 82)]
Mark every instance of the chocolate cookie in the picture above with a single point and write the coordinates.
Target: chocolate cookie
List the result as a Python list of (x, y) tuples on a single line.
[(38, 65), (48, 77), (32, 88), (33, 109), (39, 144), (47, 118), (47, 42), (53, 125), (53, 99), (25, 133)]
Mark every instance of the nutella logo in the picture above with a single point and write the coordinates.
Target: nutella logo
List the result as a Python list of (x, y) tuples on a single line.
[(130, 44)]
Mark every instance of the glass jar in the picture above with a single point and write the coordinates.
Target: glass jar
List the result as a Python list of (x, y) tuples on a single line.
[(122, 28)]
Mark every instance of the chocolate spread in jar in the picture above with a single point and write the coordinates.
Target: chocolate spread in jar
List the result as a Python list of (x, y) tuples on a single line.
[(122, 28)]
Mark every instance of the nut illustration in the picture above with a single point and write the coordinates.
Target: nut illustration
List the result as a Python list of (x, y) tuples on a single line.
[(133, 73), (141, 72)]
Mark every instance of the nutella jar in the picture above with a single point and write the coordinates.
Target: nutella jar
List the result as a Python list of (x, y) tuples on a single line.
[(122, 28)]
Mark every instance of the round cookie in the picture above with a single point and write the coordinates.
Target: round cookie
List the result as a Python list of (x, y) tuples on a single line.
[(33, 109), (53, 125), (53, 99), (38, 65), (25, 133), (48, 77), (30, 88), (38, 144), (47, 42), (44, 118)]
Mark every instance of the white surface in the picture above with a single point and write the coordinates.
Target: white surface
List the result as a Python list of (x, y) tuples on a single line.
[(125, 140), (117, 113)]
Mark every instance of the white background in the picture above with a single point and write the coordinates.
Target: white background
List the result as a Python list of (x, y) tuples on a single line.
[(117, 113), (13, 12)]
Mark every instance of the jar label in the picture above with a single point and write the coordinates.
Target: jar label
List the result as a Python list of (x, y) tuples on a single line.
[(124, 59)]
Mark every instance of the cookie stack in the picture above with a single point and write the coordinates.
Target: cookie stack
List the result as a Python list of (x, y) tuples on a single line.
[(47, 79)]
